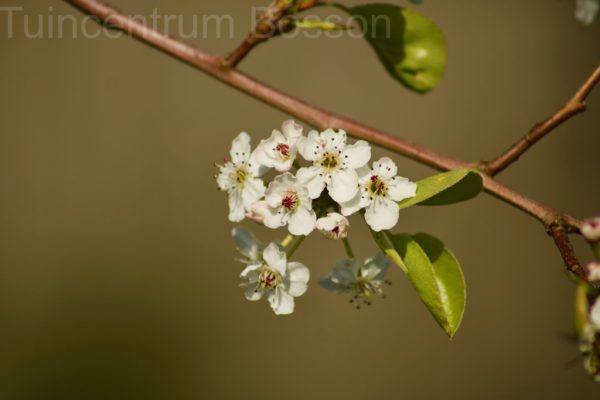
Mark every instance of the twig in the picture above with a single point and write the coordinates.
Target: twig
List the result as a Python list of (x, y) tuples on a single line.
[(271, 23), (561, 239), (573, 107), (318, 117)]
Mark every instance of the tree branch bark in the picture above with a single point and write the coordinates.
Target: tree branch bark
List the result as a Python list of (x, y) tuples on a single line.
[(573, 107), (318, 117)]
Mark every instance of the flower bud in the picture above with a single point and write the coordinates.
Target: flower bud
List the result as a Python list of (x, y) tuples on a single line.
[(594, 272), (258, 211), (591, 229), (333, 226)]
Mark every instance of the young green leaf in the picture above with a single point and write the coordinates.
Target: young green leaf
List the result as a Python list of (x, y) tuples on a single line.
[(446, 188), (411, 47), (436, 275)]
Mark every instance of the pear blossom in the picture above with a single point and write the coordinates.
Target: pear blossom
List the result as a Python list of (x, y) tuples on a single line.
[(333, 226), (276, 279), (334, 164), (289, 204), (361, 281), (280, 150), (594, 271), (587, 11), (380, 190), (591, 229), (595, 315), (258, 210), (239, 177), (247, 245)]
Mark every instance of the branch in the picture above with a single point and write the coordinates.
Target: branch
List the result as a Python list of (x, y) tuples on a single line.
[(561, 239), (573, 107), (318, 117)]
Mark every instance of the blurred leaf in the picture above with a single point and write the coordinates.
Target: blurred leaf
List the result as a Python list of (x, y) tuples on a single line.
[(436, 275), (446, 188), (411, 47), (581, 309)]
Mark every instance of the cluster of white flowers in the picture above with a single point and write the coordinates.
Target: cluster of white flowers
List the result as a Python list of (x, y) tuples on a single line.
[(340, 168), (335, 182)]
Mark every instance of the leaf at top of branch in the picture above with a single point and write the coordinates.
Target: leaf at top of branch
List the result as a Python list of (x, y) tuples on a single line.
[(446, 188), (437, 277), (411, 47)]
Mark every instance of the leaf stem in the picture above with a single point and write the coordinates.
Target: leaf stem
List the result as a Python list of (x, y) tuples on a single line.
[(287, 240), (384, 244), (295, 246), (348, 248)]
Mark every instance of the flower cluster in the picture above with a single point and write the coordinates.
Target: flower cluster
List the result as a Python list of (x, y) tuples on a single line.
[(320, 179)]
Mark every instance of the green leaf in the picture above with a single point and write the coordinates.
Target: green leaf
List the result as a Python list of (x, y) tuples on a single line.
[(411, 47), (436, 275), (446, 188)]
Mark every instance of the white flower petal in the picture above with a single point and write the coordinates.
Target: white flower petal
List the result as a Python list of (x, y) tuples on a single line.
[(298, 278), (281, 302), (328, 283), (375, 268), (595, 315), (302, 221), (240, 148), (344, 185), (359, 201), (333, 140), (346, 271), (400, 188), (247, 272), (246, 242), (309, 147), (385, 168), (251, 293), (254, 190), (356, 155), (236, 206), (275, 259), (382, 214), (292, 130), (274, 218), (312, 178)]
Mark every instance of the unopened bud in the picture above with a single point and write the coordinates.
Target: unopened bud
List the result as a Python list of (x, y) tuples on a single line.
[(333, 226), (594, 272), (591, 229), (258, 212)]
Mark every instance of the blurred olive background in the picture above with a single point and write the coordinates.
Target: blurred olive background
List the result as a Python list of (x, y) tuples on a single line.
[(117, 278)]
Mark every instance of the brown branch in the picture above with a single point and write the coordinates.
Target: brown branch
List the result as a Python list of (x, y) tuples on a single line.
[(318, 117), (561, 239), (573, 107), (273, 22)]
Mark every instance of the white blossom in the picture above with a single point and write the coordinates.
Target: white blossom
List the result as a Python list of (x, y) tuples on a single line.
[(247, 245), (594, 271), (289, 204), (239, 177), (591, 229), (280, 150), (586, 11), (333, 226), (595, 315), (361, 281), (276, 279), (334, 164), (258, 210), (380, 190)]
